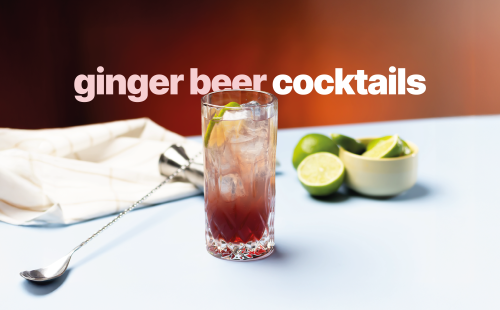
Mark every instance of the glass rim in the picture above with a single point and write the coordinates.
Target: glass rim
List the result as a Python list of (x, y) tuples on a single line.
[(205, 98)]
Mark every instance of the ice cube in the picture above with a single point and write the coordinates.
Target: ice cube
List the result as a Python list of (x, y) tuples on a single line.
[(257, 128), (234, 115), (231, 187), (252, 103), (226, 161), (254, 108)]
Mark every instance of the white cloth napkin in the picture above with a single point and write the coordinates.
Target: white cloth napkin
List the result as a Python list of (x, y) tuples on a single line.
[(62, 176)]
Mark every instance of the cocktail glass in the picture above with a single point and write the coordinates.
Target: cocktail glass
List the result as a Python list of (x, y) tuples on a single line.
[(239, 133)]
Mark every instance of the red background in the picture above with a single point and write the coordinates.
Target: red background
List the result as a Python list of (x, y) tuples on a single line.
[(454, 44)]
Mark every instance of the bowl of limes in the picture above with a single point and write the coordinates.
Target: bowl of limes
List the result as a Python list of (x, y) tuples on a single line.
[(378, 166)]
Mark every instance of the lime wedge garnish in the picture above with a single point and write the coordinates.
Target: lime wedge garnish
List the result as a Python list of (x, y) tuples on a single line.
[(349, 144), (391, 147), (406, 148), (321, 173), (217, 118), (231, 104)]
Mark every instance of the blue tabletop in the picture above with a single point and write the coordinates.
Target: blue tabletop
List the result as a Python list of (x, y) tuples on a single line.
[(434, 247)]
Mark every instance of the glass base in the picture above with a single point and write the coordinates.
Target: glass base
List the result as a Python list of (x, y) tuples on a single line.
[(249, 251)]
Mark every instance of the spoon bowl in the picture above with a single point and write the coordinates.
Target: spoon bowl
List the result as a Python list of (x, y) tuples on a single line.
[(52, 271)]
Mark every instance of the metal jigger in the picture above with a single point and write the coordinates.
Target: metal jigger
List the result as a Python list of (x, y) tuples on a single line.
[(178, 155)]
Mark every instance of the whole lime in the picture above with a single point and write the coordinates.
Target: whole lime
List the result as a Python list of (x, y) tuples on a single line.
[(348, 143), (313, 143)]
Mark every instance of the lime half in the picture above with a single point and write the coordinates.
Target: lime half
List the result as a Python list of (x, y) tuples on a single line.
[(217, 118), (349, 144), (321, 173), (391, 147)]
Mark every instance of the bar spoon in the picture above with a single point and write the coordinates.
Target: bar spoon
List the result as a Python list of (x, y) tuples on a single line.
[(57, 268)]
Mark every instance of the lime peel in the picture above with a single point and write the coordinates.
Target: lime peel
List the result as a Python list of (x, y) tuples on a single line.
[(217, 118)]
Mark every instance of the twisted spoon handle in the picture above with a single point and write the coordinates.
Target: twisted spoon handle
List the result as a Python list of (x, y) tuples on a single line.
[(132, 207)]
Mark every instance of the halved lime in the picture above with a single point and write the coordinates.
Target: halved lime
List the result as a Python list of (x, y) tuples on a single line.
[(217, 118), (406, 148), (391, 147), (349, 144), (310, 144), (321, 173)]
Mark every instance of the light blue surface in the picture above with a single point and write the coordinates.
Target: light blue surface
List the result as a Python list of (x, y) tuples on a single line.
[(435, 247)]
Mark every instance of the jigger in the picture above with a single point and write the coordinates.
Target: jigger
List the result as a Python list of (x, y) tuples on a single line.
[(178, 156)]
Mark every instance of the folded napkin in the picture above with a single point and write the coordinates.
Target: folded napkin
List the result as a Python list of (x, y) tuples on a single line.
[(63, 176)]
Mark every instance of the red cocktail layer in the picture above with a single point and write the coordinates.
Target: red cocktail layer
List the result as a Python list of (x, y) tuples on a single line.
[(243, 220)]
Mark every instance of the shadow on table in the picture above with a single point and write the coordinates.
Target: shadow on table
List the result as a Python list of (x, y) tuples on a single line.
[(416, 192), (340, 196), (279, 257), (45, 288), (131, 232)]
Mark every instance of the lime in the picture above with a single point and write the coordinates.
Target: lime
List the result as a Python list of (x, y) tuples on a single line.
[(217, 118), (406, 148), (391, 147), (349, 144), (310, 144), (231, 104), (321, 173), (217, 135), (374, 142)]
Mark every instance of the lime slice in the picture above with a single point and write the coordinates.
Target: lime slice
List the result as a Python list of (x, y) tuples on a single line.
[(374, 142), (391, 147), (217, 118), (349, 144), (321, 173), (217, 135), (231, 104), (310, 144), (406, 148)]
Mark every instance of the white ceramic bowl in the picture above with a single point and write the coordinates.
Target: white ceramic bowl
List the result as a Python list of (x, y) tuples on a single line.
[(380, 177)]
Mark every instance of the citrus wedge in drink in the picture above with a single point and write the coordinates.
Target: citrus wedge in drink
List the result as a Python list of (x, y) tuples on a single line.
[(216, 119), (391, 147), (349, 144), (321, 173), (310, 144)]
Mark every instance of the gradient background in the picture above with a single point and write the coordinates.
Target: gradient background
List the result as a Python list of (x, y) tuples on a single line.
[(454, 44)]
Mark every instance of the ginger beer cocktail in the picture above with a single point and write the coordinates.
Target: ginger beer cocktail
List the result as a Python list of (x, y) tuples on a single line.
[(239, 134)]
